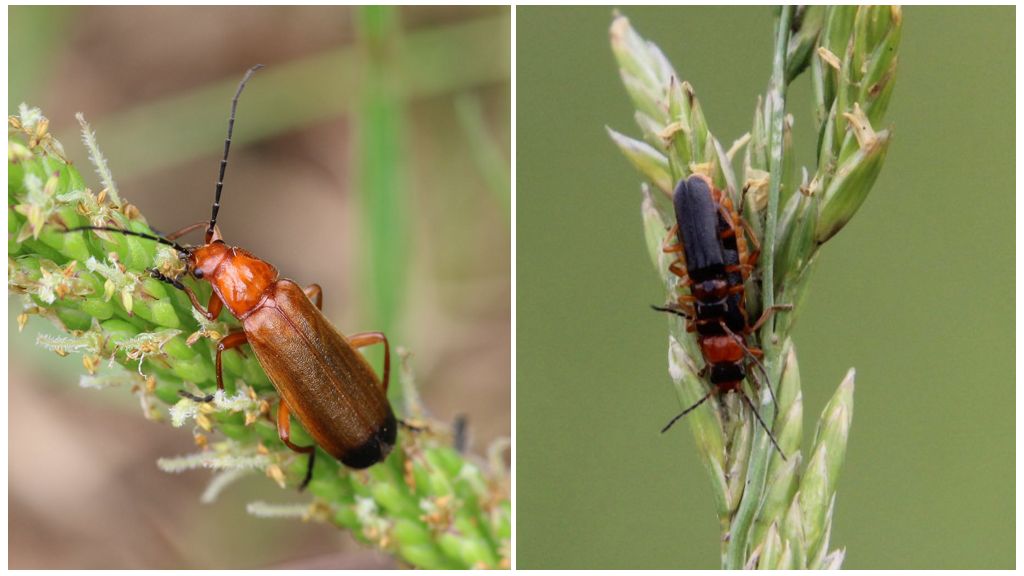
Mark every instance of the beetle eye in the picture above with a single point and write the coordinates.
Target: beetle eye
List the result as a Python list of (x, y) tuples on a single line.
[(197, 273)]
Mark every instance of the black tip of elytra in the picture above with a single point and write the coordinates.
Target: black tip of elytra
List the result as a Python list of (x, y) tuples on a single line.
[(375, 448)]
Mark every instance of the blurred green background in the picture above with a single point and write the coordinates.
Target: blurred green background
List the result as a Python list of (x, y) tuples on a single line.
[(917, 293), (370, 156)]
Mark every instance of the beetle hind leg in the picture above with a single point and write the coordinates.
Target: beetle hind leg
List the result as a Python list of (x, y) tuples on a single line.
[(284, 432), (316, 294), (368, 338)]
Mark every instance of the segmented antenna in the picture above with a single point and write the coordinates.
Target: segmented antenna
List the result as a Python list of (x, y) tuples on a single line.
[(227, 148), (164, 241)]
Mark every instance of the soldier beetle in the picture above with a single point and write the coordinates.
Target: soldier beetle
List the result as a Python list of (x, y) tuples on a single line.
[(713, 260), (320, 376)]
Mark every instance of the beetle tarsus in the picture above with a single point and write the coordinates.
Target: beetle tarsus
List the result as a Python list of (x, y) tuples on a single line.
[(165, 279), (410, 427), (309, 471), (195, 398)]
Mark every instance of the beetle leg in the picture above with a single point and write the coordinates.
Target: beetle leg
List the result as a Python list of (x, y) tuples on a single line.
[(686, 300), (666, 245), (212, 309), (179, 233), (410, 427), (284, 432), (314, 293), (679, 269), (232, 340), (753, 240), (366, 339), (768, 313), (757, 381), (729, 214)]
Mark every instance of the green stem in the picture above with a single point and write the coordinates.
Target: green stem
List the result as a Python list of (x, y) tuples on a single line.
[(760, 455), (384, 200)]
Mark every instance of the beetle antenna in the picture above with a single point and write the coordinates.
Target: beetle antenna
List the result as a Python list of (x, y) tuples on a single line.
[(152, 237), (765, 426), (671, 310), (688, 410), (227, 148)]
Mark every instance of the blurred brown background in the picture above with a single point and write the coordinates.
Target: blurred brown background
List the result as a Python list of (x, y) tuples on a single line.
[(156, 85)]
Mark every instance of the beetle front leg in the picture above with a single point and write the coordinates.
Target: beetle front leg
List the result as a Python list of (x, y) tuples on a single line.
[(212, 309), (232, 340), (284, 432), (667, 246), (366, 339)]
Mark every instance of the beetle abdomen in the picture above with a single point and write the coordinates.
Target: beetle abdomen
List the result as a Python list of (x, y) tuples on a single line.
[(325, 382)]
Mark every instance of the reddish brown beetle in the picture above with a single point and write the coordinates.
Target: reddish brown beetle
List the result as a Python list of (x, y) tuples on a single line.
[(317, 371)]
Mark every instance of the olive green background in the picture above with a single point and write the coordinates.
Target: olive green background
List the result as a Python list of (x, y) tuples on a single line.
[(917, 293)]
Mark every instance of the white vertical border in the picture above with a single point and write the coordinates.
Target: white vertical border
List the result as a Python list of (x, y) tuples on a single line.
[(512, 173)]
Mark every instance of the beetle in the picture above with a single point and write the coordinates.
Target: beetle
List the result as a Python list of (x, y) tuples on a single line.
[(713, 260), (318, 373)]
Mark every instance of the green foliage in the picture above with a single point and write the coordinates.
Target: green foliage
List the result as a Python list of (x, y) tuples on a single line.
[(427, 504), (772, 513)]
